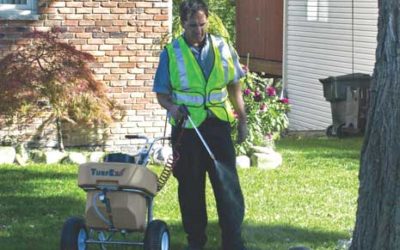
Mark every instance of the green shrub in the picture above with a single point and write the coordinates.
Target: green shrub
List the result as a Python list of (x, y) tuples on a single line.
[(221, 20), (266, 111), (226, 11)]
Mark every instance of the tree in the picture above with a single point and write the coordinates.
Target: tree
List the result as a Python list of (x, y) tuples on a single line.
[(378, 214), (215, 24), (52, 77)]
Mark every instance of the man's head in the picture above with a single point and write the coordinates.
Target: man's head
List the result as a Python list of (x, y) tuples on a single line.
[(194, 15)]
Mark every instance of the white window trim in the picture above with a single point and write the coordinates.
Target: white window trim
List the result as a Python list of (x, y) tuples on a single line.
[(317, 10), (19, 11)]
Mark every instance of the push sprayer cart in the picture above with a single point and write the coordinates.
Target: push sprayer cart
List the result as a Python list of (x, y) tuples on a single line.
[(119, 203), (348, 95)]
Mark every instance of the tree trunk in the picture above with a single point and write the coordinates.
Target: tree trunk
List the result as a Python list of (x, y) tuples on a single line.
[(378, 213)]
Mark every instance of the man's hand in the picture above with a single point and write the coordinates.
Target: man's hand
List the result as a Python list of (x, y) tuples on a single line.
[(236, 98), (175, 112), (242, 131), (165, 101)]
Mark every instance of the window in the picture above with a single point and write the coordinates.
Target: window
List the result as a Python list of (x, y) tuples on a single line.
[(317, 10), (18, 9)]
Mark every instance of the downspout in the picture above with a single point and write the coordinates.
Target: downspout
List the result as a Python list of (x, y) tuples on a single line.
[(352, 36)]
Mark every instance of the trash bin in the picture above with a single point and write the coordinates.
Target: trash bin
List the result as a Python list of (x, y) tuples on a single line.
[(348, 95)]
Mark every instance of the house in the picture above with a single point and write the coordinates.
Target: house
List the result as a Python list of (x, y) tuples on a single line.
[(259, 34), (304, 41), (125, 38), (324, 38)]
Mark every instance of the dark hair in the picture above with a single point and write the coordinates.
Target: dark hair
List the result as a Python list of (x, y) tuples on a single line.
[(190, 7)]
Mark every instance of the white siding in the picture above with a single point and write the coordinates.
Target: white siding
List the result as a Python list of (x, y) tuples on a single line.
[(324, 38)]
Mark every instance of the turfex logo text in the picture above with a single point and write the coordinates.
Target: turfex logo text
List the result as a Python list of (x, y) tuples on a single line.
[(108, 172)]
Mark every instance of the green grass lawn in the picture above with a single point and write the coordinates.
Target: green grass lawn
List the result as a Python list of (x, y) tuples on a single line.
[(310, 200)]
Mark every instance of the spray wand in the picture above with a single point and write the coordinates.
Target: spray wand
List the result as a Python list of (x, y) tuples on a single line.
[(172, 160), (184, 110)]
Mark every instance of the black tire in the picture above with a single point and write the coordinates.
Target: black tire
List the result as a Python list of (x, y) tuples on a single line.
[(157, 236), (329, 131), (74, 234)]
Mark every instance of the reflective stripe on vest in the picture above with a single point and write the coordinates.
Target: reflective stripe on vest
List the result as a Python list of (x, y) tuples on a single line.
[(188, 99), (189, 86), (195, 99), (181, 65), (226, 57), (219, 97)]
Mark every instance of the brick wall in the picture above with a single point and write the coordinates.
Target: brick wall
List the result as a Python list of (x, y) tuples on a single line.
[(125, 38)]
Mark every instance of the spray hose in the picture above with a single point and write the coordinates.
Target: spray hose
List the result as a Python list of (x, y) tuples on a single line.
[(103, 198), (170, 164), (166, 173)]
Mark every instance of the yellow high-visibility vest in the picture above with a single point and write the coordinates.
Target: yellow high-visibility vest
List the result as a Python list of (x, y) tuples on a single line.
[(189, 86)]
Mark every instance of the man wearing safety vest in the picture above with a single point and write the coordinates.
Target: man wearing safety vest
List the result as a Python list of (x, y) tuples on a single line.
[(202, 72)]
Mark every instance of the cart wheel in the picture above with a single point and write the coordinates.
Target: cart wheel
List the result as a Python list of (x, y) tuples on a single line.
[(74, 234), (340, 131), (329, 131), (157, 236)]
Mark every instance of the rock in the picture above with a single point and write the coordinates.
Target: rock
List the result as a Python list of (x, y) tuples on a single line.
[(343, 244), (54, 156), (263, 150), (20, 160), (161, 154), (7, 155), (37, 156), (242, 161), (76, 158), (266, 161), (22, 156), (96, 156)]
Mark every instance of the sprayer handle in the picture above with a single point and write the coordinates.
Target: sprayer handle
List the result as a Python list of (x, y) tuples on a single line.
[(184, 111), (135, 137)]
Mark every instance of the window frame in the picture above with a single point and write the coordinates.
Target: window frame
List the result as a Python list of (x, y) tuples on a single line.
[(317, 10), (26, 11)]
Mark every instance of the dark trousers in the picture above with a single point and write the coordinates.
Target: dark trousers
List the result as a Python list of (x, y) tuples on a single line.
[(193, 161)]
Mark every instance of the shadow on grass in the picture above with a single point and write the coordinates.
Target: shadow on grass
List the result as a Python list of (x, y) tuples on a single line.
[(34, 204), (262, 237), (266, 237), (32, 219), (38, 226), (33, 222), (15, 181)]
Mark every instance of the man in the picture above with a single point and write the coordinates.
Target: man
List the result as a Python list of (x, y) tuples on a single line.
[(201, 71)]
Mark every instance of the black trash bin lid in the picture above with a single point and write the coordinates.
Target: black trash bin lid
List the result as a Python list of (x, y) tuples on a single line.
[(353, 80)]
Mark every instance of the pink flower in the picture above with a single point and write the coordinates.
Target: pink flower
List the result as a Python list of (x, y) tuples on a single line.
[(284, 100), (271, 91), (247, 91), (257, 96), (263, 106)]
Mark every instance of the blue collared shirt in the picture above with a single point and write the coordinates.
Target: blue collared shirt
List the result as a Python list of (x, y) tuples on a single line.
[(205, 58)]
